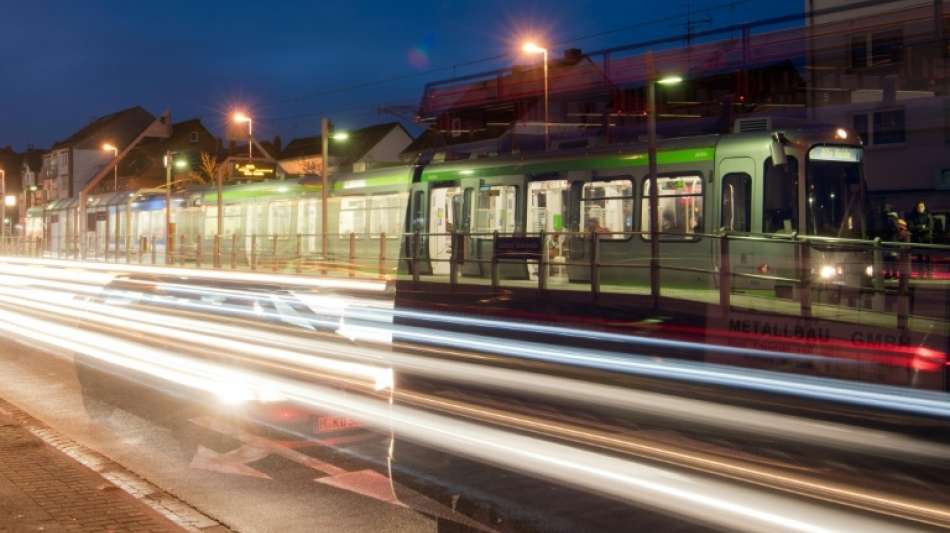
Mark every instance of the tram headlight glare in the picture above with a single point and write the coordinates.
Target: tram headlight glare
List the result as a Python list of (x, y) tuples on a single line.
[(827, 272)]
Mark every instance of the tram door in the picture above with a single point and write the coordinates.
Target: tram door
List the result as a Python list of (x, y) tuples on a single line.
[(445, 208), (736, 179)]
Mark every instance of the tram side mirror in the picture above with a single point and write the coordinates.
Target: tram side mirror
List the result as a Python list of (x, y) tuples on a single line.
[(777, 150)]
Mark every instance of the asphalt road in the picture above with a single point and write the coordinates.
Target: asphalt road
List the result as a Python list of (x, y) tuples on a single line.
[(264, 485)]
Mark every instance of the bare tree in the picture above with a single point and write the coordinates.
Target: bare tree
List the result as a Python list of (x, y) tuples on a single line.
[(210, 166)]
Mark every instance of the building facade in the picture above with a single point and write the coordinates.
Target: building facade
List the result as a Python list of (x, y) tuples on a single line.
[(883, 71), (362, 150), (71, 163)]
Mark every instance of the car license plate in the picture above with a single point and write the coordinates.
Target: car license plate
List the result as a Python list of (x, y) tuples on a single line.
[(326, 424)]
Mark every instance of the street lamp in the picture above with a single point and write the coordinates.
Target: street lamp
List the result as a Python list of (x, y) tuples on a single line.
[(654, 185), (3, 209), (532, 48), (325, 177), (107, 147), (178, 164), (240, 118)]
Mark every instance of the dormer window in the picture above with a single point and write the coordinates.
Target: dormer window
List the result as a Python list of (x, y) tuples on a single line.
[(194, 137)]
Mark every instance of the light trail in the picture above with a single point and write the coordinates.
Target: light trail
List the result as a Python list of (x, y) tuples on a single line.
[(212, 275), (217, 336), (710, 501), (132, 320), (238, 385)]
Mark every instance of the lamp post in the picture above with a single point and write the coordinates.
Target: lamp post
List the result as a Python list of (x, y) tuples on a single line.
[(9, 200), (168, 160), (241, 118), (3, 209), (654, 185), (107, 147), (325, 178), (532, 48)]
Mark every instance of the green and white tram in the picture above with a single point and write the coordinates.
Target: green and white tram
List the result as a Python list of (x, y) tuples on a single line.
[(706, 185), (770, 184)]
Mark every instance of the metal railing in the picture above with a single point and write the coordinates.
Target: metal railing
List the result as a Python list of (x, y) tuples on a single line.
[(716, 268)]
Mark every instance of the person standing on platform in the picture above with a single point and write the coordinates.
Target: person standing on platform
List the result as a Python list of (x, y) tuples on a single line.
[(922, 231)]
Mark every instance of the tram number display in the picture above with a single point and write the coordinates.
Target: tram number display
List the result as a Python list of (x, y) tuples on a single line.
[(518, 247)]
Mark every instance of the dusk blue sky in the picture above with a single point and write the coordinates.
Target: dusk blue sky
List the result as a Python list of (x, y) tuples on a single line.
[(288, 63)]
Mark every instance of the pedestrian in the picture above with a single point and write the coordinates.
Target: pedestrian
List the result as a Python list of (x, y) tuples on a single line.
[(889, 233), (922, 231)]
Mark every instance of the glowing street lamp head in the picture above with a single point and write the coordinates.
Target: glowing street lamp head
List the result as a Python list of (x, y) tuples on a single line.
[(181, 164), (340, 136), (531, 47), (9, 200), (240, 117), (670, 80), (107, 147)]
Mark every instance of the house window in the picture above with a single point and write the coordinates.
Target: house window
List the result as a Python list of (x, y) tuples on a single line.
[(194, 137), (884, 127), (876, 49)]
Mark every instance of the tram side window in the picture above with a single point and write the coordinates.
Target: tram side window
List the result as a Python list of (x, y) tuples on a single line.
[(495, 209), (737, 202), (780, 197), (371, 215), (418, 220), (386, 212), (281, 218), (233, 216), (353, 215), (547, 205), (680, 205), (607, 207)]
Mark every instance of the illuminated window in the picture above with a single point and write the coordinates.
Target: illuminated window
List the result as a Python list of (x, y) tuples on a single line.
[(495, 209), (386, 214), (547, 205), (607, 208), (353, 217), (680, 206)]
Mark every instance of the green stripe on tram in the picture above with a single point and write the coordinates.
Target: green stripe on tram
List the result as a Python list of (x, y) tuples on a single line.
[(664, 157), (281, 189), (365, 183)]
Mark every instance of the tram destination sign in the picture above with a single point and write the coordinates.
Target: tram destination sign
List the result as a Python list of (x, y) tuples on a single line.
[(518, 247), (253, 170)]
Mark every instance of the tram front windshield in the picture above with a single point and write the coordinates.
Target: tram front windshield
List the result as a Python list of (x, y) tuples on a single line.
[(835, 195)]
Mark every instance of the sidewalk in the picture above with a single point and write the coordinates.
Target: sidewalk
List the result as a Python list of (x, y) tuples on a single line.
[(44, 489)]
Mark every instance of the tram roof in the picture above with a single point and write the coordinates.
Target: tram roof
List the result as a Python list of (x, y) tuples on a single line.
[(265, 189), (671, 151)]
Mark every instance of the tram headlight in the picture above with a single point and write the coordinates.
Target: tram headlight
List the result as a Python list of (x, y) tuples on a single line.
[(827, 272)]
